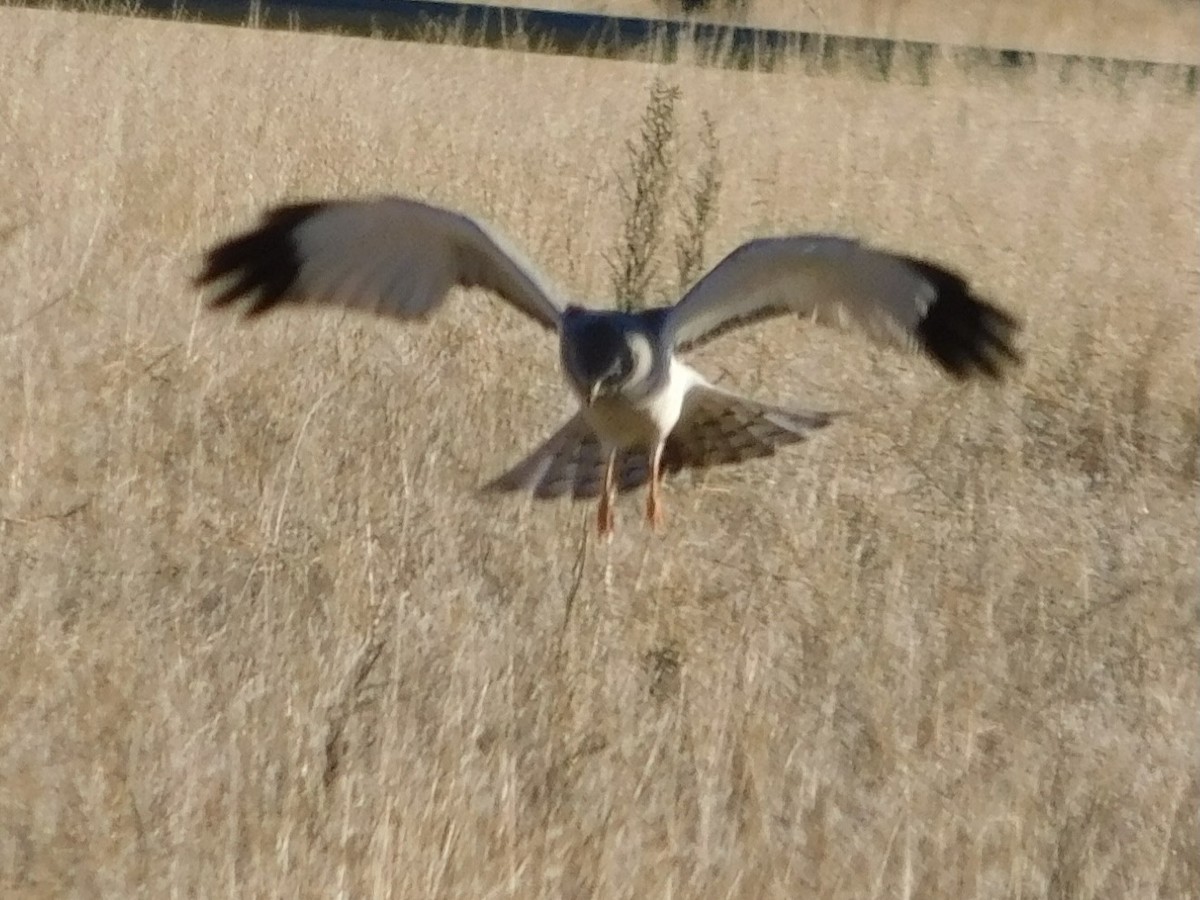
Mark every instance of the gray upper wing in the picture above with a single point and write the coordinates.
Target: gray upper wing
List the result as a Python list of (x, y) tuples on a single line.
[(897, 300), (389, 255)]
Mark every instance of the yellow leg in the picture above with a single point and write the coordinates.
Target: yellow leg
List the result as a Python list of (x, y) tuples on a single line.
[(606, 519), (654, 509)]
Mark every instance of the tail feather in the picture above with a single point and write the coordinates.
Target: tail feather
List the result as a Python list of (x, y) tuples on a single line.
[(717, 427), (571, 462), (720, 427)]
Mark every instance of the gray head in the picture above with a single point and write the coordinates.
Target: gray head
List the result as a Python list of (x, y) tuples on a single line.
[(603, 352)]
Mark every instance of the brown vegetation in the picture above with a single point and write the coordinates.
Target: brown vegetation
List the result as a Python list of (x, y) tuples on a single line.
[(260, 636)]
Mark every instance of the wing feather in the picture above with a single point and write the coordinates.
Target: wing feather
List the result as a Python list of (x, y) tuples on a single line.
[(896, 300), (390, 255)]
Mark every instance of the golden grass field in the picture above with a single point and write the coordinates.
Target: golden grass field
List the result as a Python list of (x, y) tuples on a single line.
[(1167, 30), (261, 637)]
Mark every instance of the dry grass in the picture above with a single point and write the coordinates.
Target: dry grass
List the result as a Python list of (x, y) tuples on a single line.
[(1166, 30), (260, 637)]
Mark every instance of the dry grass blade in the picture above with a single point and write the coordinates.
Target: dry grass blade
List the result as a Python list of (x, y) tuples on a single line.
[(700, 211), (644, 193)]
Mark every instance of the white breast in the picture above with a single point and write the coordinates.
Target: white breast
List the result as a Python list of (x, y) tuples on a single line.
[(643, 422)]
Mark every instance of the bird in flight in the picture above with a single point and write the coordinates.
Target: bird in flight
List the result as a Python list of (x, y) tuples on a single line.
[(643, 410)]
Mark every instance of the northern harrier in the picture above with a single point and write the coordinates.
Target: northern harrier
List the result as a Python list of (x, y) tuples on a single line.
[(642, 410)]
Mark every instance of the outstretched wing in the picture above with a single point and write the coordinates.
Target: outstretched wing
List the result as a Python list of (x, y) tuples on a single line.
[(718, 427), (898, 300), (387, 255)]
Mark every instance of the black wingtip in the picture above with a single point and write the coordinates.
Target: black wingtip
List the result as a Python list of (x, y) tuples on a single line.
[(965, 334), (263, 263)]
